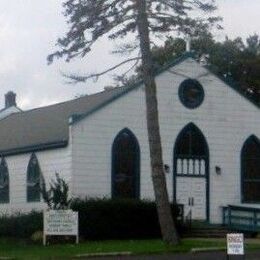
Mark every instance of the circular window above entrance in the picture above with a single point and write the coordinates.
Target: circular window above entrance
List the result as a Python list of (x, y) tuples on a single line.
[(191, 93)]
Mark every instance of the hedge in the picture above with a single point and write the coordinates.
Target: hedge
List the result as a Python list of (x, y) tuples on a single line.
[(98, 219), (21, 225), (118, 219)]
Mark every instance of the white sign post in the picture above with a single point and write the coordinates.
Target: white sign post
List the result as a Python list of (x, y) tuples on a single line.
[(235, 244), (60, 223)]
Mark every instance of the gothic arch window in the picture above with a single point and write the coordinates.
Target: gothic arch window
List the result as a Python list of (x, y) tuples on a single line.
[(191, 152), (4, 182), (33, 180), (250, 170), (125, 165)]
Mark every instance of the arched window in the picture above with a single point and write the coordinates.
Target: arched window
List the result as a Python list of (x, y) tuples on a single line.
[(125, 165), (191, 152), (250, 170), (4, 182), (33, 180)]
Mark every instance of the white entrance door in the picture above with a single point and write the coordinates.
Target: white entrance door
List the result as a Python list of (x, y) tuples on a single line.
[(191, 192)]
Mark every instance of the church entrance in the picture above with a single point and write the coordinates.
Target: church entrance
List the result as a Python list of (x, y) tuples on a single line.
[(191, 172)]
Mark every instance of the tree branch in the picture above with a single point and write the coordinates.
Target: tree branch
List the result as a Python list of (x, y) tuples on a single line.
[(77, 78)]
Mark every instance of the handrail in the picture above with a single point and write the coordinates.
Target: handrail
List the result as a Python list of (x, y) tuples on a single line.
[(188, 218), (246, 208), (241, 218)]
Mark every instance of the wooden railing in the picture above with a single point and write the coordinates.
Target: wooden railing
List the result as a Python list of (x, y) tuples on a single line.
[(241, 218)]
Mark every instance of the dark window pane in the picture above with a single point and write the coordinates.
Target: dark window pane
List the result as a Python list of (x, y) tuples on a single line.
[(191, 93), (4, 182), (125, 166), (191, 151), (251, 170), (191, 142), (33, 180), (251, 192)]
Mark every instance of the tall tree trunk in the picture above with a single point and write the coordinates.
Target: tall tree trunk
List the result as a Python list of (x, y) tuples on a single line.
[(167, 225)]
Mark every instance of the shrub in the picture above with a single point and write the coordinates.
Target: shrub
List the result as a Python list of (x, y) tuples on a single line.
[(57, 196), (98, 219), (118, 219), (21, 225)]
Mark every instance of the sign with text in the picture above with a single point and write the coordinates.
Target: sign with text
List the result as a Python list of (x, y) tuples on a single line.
[(235, 244), (60, 223)]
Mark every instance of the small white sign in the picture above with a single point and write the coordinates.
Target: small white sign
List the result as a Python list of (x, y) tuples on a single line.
[(60, 223), (235, 244)]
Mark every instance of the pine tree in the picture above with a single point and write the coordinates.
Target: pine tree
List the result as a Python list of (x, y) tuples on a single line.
[(91, 19)]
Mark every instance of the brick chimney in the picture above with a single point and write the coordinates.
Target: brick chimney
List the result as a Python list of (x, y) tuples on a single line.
[(10, 99)]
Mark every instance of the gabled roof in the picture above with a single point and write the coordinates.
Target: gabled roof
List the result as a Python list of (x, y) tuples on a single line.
[(48, 127)]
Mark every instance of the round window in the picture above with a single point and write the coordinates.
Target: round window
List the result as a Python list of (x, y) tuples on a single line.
[(191, 93)]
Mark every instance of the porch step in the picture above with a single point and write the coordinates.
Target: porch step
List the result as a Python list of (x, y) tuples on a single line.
[(207, 232)]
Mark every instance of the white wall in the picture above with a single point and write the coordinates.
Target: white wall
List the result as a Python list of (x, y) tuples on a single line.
[(51, 161), (92, 143), (226, 119)]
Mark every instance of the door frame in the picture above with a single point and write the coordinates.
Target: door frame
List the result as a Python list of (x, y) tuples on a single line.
[(207, 169)]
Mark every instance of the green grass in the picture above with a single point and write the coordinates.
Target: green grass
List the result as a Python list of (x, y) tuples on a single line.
[(22, 250)]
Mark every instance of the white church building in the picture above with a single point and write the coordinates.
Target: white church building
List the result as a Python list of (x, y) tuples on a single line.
[(210, 138)]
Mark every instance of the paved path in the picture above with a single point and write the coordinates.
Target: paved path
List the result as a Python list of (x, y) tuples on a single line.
[(188, 256)]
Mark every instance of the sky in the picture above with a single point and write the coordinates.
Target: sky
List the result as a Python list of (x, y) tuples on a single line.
[(28, 33)]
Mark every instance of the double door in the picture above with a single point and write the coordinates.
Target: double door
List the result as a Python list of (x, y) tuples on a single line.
[(191, 192)]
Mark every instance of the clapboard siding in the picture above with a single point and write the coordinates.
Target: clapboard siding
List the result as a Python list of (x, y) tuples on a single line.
[(52, 161), (225, 118)]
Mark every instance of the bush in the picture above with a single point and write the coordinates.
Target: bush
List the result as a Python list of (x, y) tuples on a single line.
[(21, 225), (98, 219), (118, 219)]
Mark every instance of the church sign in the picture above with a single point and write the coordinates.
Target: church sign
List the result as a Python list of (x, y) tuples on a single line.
[(60, 223), (235, 244)]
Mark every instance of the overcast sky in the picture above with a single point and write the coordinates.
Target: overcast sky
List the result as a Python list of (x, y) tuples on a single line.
[(28, 32)]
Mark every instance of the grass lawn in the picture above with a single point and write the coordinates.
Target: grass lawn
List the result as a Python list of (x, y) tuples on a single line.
[(22, 250)]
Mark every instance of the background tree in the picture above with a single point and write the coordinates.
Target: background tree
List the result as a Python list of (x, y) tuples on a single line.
[(91, 19), (235, 60)]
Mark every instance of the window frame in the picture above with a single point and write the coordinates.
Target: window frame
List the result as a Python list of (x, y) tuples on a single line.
[(29, 188), (4, 164), (181, 92), (190, 156), (136, 177), (243, 159)]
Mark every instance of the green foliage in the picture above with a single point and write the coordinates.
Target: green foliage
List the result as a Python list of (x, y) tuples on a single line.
[(115, 19), (118, 219), (231, 59), (57, 197), (21, 225), (98, 219)]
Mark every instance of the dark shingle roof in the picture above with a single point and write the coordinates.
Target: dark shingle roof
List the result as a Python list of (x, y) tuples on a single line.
[(46, 127)]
